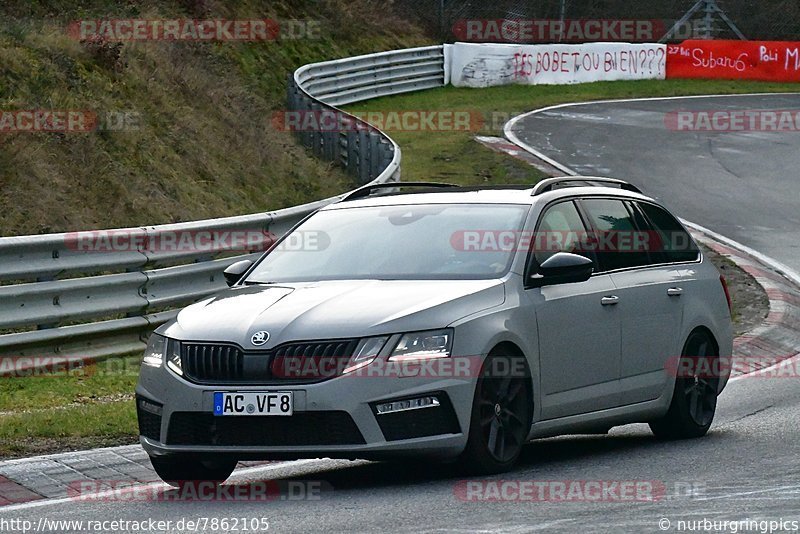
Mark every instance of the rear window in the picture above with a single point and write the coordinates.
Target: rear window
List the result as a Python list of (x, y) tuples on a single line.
[(619, 243)]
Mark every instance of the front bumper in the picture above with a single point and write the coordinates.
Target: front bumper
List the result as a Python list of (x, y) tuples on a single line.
[(349, 397)]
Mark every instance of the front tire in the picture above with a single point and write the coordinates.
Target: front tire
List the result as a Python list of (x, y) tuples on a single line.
[(178, 471), (694, 401), (501, 415)]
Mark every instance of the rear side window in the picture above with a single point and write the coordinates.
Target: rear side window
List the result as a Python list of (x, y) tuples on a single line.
[(676, 244), (618, 241)]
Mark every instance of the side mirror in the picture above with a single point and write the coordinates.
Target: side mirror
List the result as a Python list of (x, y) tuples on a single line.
[(235, 271), (563, 268)]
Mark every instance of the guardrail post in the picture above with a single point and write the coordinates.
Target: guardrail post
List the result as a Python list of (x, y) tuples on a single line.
[(364, 156), (375, 157), (385, 154), (353, 150), (317, 134)]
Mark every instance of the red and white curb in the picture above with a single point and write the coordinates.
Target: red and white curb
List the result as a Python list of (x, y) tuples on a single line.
[(777, 338)]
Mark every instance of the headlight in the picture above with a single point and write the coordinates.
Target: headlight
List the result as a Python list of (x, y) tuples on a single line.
[(160, 347), (174, 356), (154, 353), (423, 345), (366, 351)]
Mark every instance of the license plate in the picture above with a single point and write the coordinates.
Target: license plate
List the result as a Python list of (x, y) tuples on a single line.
[(253, 403)]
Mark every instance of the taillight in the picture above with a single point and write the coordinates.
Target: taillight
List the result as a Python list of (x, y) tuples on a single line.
[(727, 293)]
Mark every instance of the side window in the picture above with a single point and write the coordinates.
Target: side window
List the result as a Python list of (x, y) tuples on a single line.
[(619, 242), (560, 230), (676, 244)]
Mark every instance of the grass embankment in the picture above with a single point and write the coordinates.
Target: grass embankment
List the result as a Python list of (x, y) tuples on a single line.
[(202, 145)]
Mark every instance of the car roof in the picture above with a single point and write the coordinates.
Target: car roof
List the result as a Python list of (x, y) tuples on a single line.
[(520, 195)]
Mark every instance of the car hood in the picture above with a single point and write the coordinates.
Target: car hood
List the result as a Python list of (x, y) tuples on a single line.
[(332, 309)]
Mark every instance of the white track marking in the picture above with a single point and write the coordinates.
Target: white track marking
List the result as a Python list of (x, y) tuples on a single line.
[(156, 485)]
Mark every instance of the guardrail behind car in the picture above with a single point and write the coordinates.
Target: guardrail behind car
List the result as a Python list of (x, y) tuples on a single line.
[(58, 299)]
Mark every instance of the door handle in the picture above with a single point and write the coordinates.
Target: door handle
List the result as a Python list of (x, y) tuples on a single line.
[(674, 291), (609, 300)]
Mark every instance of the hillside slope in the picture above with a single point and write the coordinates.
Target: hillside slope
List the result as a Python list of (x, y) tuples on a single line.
[(198, 141)]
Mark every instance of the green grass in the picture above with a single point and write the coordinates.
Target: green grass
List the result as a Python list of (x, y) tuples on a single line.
[(83, 427), (86, 408), (454, 155), (108, 378)]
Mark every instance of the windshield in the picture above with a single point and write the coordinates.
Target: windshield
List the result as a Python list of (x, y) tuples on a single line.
[(408, 242)]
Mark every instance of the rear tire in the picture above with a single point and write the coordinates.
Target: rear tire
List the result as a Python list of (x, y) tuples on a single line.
[(501, 415), (694, 401), (178, 471)]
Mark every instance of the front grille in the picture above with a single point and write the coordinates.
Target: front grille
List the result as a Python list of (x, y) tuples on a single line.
[(290, 363), (419, 423), (312, 361), (222, 363), (301, 428), (149, 423)]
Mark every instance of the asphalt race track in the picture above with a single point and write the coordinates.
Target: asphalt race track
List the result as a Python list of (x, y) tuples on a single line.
[(742, 185), (747, 467)]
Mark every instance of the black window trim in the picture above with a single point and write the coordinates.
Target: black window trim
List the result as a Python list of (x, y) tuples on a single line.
[(654, 265), (530, 261), (626, 204), (576, 200), (699, 258)]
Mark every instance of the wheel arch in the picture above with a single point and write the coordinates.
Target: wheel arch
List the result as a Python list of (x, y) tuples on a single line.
[(514, 349)]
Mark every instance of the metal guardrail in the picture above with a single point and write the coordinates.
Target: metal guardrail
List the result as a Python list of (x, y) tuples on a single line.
[(61, 300)]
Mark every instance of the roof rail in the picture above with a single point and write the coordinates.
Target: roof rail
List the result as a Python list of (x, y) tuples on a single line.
[(367, 190), (550, 183)]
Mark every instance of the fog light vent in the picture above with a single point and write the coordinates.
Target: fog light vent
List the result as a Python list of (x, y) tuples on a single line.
[(407, 404)]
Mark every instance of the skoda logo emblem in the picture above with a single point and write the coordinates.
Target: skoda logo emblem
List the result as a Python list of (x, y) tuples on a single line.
[(259, 338)]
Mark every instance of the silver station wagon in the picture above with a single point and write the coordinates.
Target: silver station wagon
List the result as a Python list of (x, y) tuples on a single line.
[(444, 322)]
